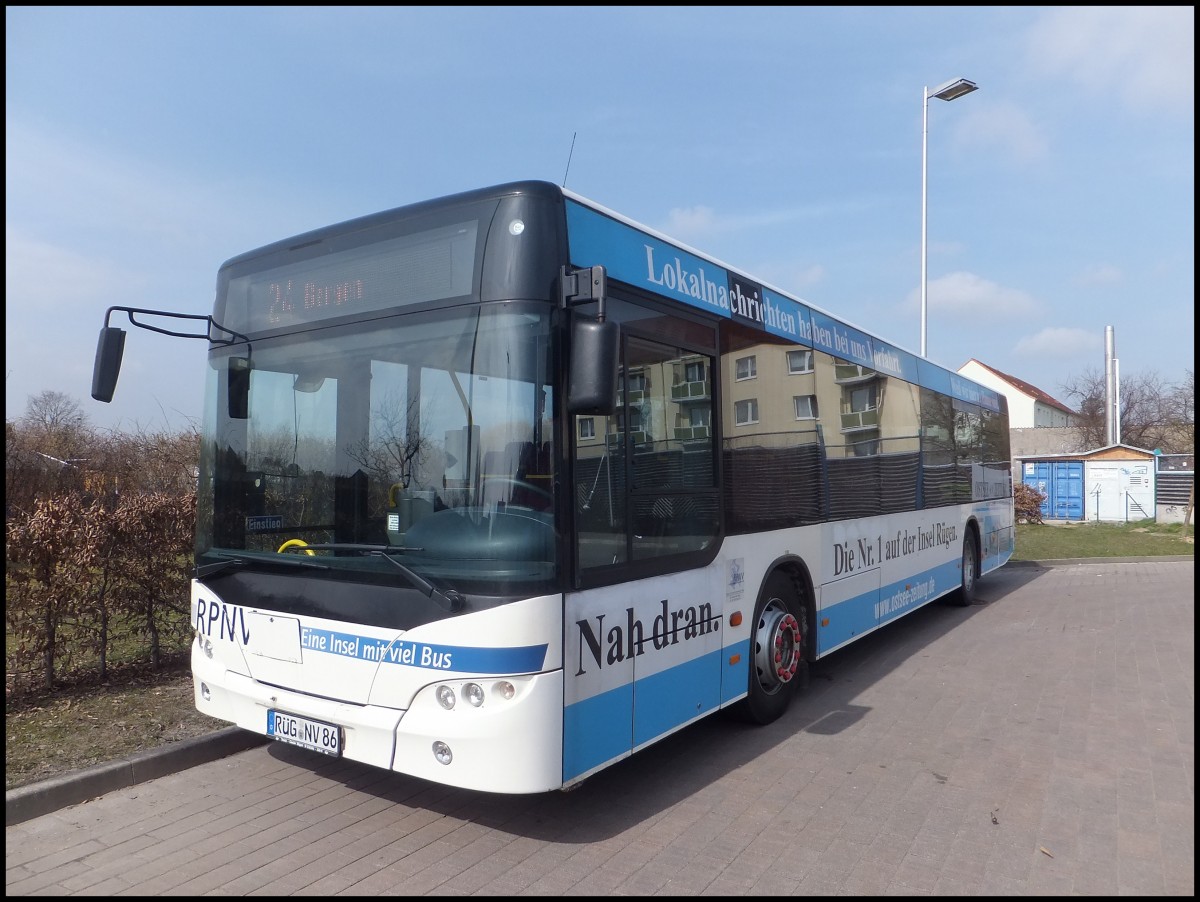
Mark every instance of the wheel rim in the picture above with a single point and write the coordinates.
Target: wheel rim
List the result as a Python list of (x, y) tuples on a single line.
[(968, 567), (777, 647)]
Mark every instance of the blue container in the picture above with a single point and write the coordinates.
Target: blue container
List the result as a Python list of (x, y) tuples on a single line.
[(1061, 482)]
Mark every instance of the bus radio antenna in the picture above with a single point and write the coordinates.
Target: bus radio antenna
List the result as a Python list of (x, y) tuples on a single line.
[(569, 155)]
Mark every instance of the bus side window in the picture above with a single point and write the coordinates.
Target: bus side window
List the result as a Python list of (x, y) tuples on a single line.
[(600, 491)]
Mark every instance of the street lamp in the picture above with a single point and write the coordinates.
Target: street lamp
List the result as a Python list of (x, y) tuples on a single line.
[(951, 90)]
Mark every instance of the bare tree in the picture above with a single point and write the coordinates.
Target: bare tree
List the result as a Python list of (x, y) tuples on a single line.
[(46, 449), (1183, 412), (395, 452), (145, 462), (1154, 413), (53, 411)]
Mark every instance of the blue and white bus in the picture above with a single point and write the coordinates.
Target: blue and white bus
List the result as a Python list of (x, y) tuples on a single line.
[(499, 488)]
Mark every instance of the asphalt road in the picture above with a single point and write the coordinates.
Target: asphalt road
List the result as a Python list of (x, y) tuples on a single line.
[(1040, 742)]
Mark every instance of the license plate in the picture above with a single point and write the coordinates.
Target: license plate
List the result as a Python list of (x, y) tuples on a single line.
[(308, 734)]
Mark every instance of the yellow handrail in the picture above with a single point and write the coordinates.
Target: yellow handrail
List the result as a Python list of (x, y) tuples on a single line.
[(297, 543)]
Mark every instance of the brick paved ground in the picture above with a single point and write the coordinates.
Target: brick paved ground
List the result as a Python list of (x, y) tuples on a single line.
[(1039, 743)]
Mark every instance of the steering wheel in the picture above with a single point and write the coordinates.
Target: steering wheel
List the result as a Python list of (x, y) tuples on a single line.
[(296, 543)]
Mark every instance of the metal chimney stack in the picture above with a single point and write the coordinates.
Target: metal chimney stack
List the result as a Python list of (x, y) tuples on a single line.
[(1112, 389)]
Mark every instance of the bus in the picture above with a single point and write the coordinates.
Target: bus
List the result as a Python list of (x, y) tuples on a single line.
[(497, 489)]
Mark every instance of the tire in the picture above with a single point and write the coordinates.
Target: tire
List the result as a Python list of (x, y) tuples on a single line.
[(777, 651), (969, 588)]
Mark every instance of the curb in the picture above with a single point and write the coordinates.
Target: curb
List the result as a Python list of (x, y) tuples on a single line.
[(1070, 562), (27, 802)]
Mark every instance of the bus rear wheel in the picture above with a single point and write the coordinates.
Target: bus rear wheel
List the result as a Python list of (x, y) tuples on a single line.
[(776, 651), (969, 588)]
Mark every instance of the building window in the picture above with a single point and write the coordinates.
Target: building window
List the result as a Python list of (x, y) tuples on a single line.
[(863, 398), (866, 447), (746, 367), (693, 372), (587, 427), (800, 362), (745, 412), (806, 407)]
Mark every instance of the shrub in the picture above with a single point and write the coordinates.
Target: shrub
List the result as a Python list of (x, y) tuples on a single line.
[(92, 583), (98, 547), (1027, 503)]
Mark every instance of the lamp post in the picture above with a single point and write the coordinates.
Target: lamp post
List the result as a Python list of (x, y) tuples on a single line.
[(951, 90)]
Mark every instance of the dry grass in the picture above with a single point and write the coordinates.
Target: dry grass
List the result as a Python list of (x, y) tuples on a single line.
[(50, 735)]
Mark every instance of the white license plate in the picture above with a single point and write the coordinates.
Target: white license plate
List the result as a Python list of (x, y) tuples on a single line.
[(308, 734)]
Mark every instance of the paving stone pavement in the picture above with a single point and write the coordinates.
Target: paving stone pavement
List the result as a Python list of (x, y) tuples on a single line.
[(1040, 742)]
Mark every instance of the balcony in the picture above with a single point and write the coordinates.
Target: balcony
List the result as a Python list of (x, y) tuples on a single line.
[(690, 391), (850, 373), (856, 421), (614, 440)]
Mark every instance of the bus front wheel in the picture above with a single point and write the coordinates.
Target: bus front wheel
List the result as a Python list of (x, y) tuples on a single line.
[(776, 651), (969, 587)]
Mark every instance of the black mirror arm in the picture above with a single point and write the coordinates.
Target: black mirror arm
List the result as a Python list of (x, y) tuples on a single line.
[(212, 324), (111, 347), (581, 286)]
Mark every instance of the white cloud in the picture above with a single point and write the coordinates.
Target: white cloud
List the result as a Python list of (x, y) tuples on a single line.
[(805, 276), (1100, 274), (692, 221), (49, 278), (77, 185), (1001, 127), (1060, 343), (102, 199), (697, 225), (1146, 56), (963, 294), (791, 278)]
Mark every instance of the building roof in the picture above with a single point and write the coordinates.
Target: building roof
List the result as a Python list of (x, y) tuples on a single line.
[(1105, 452), (1025, 388)]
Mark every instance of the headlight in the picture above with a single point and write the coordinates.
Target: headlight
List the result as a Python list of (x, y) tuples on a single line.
[(473, 693), (204, 644), (445, 697)]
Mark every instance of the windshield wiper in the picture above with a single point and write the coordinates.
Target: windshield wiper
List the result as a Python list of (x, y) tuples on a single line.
[(208, 571), (450, 599), (204, 571)]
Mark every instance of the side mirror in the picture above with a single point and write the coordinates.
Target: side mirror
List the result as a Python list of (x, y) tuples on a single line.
[(109, 350), (595, 356)]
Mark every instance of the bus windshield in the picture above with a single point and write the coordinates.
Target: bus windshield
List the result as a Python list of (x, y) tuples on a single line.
[(421, 439)]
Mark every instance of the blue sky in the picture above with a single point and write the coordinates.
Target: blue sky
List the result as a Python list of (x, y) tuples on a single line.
[(145, 146)]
